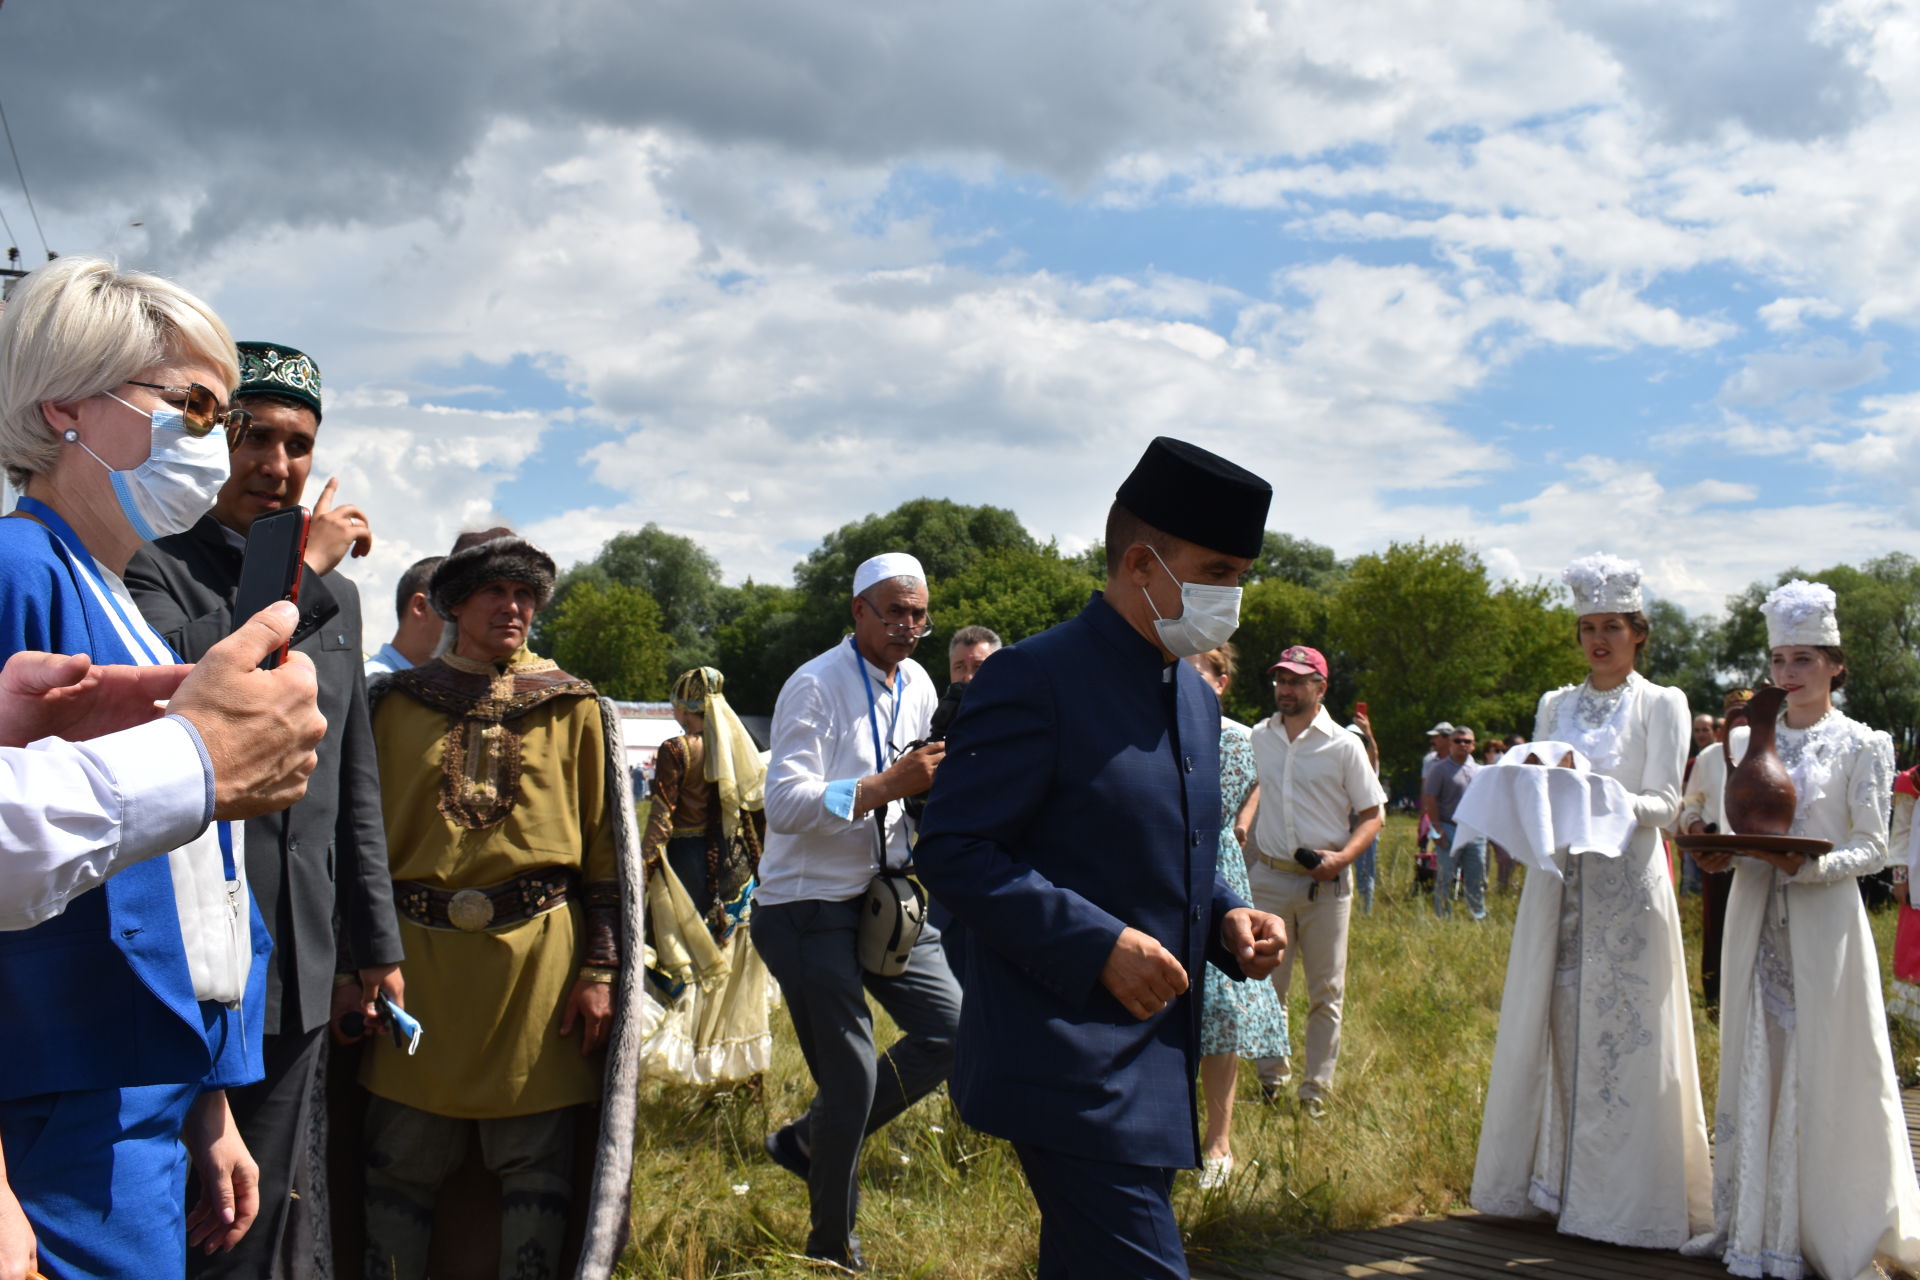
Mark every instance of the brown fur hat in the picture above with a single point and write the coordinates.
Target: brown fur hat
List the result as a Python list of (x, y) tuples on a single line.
[(487, 556)]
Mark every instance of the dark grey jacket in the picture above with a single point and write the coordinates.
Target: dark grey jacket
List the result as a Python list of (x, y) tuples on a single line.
[(327, 854)]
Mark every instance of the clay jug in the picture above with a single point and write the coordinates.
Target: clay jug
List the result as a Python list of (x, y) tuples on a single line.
[(1760, 795)]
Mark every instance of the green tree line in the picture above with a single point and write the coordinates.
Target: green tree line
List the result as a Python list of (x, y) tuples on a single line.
[(1420, 631)]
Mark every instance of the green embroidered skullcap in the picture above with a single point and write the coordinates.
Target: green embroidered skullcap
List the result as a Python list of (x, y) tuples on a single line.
[(275, 369)]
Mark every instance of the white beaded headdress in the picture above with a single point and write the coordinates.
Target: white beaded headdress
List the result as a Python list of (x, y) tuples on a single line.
[(1603, 584), (1801, 612)]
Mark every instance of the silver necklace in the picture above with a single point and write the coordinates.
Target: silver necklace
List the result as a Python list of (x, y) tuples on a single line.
[(1594, 707)]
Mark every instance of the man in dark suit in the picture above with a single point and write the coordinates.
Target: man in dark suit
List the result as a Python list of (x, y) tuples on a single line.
[(1072, 829), (326, 855)]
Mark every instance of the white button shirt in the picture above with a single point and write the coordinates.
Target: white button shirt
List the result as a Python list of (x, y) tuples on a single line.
[(72, 814), (1309, 788), (823, 742)]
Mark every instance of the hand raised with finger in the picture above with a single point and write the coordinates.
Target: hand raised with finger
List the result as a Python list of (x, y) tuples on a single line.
[(334, 531), (1142, 975), (260, 727)]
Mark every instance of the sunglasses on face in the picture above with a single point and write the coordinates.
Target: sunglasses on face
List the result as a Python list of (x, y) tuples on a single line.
[(200, 411)]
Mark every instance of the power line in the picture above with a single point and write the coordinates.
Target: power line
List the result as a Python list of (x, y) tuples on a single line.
[(22, 174)]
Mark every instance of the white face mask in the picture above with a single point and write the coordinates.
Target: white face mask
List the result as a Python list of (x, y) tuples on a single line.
[(177, 483), (1208, 617)]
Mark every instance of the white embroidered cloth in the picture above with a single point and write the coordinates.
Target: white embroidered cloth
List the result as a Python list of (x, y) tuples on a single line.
[(1534, 812)]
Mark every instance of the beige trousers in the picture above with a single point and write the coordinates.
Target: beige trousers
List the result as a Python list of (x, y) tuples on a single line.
[(1317, 940)]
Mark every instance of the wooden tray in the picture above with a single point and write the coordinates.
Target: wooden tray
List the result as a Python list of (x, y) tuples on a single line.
[(1718, 842)]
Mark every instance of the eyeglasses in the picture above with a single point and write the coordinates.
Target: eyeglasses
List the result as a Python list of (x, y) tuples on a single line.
[(1465, 742), (200, 411)]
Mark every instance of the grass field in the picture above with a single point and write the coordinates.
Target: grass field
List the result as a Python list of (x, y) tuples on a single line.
[(1422, 1007)]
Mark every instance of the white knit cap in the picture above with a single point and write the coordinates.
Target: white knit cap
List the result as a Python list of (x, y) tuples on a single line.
[(893, 564), (1603, 584), (1801, 612)]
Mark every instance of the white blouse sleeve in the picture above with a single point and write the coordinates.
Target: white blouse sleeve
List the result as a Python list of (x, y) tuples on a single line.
[(1869, 792), (73, 814), (1657, 801)]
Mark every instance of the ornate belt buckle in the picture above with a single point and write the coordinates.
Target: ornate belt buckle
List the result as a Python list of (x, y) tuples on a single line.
[(470, 910)]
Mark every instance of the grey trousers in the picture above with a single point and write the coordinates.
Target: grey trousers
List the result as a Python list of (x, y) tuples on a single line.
[(809, 948), (410, 1153)]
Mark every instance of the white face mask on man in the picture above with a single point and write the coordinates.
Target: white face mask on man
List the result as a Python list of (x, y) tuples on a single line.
[(178, 482), (1208, 616)]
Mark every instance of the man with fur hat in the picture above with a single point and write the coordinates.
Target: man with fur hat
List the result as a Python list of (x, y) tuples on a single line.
[(1073, 832), (510, 826), (326, 857)]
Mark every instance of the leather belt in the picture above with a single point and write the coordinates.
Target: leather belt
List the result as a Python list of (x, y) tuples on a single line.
[(493, 906)]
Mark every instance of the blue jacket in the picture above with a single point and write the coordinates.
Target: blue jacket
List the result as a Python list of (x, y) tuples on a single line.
[(100, 996), (1080, 795)]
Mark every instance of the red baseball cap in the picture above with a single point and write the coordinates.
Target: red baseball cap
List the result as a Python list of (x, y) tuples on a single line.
[(1301, 660)]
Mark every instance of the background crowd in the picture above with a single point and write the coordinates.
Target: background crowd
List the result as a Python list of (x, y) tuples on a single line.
[(466, 858)]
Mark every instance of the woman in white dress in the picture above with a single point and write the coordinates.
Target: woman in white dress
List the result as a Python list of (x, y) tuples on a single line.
[(1593, 1109), (1813, 1175)]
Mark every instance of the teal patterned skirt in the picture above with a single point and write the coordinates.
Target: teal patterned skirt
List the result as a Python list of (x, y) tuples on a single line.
[(1244, 1018)]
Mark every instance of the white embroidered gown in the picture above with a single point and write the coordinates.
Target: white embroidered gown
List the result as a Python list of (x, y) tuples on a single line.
[(1813, 1175), (1593, 1110)]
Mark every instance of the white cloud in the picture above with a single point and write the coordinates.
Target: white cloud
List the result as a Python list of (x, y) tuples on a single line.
[(1785, 315)]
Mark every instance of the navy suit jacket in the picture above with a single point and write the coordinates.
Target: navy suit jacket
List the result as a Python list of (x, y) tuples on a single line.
[(1080, 795)]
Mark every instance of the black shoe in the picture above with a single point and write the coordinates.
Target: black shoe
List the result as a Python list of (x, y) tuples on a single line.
[(845, 1259), (784, 1150)]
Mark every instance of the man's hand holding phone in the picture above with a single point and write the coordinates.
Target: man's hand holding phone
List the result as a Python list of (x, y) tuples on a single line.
[(260, 727)]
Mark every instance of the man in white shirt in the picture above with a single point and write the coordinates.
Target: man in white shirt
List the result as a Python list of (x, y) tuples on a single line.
[(839, 772), (1320, 803), (109, 781), (419, 628)]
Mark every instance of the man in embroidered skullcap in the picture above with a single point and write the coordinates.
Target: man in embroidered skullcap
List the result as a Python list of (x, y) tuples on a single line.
[(327, 856), (843, 765), (510, 826), (1073, 832)]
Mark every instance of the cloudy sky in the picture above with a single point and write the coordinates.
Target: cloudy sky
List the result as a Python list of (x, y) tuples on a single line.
[(1633, 275)]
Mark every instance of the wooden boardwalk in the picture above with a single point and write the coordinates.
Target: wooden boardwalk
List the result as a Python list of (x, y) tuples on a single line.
[(1462, 1246)]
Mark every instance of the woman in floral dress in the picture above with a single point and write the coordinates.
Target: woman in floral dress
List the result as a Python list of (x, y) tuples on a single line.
[(1237, 1019)]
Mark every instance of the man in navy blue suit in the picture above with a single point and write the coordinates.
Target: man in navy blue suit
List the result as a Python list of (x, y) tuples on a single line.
[(1072, 829)]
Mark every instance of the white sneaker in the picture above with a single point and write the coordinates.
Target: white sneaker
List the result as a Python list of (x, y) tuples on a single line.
[(1214, 1172)]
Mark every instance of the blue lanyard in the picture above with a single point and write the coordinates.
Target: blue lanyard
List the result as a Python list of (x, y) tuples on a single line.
[(873, 711), (81, 561)]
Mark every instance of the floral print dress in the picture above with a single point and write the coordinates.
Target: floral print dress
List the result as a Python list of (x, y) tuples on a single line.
[(1244, 1018)]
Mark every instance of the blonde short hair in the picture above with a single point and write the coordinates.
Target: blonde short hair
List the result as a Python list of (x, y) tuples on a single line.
[(77, 327)]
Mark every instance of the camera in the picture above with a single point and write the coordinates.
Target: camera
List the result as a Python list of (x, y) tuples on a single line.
[(1309, 858), (936, 732)]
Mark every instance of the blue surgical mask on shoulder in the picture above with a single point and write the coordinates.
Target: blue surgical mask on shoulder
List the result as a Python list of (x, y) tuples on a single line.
[(1208, 616)]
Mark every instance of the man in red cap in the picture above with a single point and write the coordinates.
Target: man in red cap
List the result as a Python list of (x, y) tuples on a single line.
[(1319, 805)]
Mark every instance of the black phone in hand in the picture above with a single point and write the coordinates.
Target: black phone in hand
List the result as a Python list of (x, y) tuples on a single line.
[(271, 569)]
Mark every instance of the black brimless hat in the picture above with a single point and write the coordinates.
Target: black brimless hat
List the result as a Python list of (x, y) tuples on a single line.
[(1182, 489)]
